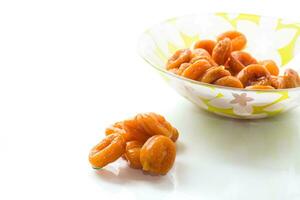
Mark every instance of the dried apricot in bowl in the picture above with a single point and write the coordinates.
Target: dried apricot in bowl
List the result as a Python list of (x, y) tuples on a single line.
[(158, 155), (221, 51), (179, 57), (238, 39)]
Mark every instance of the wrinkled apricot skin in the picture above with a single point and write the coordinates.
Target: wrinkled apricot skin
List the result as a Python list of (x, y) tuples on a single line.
[(196, 70), (154, 124), (214, 73), (179, 57), (260, 87), (293, 76), (158, 154), (251, 73), (183, 67), (238, 39), (199, 53), (229, 81), (263, 81), (238, 60), (208, 45), (115, 128), (134, 131), (271, 66), (132, 154), (221, 52), (108, 150)]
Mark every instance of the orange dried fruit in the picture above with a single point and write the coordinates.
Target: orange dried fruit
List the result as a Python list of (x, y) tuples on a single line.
[(179, 57), (229, 81), (238, 60), (208, 45), (221, 52), (238, 39), (251, 73), (214, 73), (108, 150), (154, 124), (260, 87), (196, 70), (158, 154), (271, 66), (132, 154)]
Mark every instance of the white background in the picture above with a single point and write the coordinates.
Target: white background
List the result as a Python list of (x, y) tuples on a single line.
[(70, 68)]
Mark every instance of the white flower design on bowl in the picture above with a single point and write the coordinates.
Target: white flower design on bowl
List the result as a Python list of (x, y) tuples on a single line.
[(240, 104)]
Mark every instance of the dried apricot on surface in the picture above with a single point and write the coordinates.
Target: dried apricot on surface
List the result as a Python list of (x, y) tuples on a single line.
[(134, 131), (132, 154), (115, 128), (154, 124), (238, 39), (179, 57), (158, 154), (108, 150)]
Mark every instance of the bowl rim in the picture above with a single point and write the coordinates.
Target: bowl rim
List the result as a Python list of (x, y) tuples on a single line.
[(164, 71)]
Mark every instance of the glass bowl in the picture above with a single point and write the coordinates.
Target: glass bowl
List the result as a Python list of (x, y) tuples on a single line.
[(268, 38)]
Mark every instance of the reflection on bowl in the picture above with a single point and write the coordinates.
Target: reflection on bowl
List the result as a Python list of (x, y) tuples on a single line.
[(268, 38)]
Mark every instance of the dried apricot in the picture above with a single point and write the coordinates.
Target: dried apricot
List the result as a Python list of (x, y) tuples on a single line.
[(179, 57), (208, 45), (238, 39), (197, 69), (271, 66), (134, 131), (115, 128), (222, 51), (260, 87), (238, 60), (183, 67), (293, 75), (229, 81), (154, 124), (199, 53), (251, 73), (214, 73), (158, 154), (262, 81), (108, 150), (132, 154)]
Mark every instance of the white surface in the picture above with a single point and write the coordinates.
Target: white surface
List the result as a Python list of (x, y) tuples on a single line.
[(70, 68)]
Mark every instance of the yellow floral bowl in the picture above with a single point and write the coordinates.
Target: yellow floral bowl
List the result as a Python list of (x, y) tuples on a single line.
[(268, 38)]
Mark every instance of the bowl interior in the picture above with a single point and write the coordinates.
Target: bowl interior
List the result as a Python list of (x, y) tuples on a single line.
[(268, 37)]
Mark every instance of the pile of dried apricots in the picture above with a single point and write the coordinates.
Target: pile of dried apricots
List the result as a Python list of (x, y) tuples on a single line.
[(222, 62), (146, 142)]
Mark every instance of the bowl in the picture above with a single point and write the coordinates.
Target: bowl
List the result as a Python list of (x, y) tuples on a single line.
[(268, 38)]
